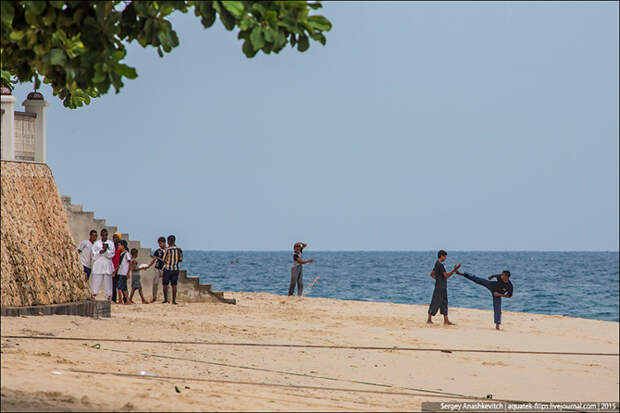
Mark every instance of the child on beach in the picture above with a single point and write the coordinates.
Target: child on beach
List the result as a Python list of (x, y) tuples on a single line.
[(500, 288), (136, 284), (440, 293), (296, 269), (121, 271), (158, 260)]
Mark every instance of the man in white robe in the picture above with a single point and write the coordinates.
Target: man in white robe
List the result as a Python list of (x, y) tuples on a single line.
[(103, 252)]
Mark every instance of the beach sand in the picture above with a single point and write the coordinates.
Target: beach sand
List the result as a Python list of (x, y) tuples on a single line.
[(37, 374)]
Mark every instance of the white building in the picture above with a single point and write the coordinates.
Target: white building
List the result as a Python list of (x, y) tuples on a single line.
[(23, 133)]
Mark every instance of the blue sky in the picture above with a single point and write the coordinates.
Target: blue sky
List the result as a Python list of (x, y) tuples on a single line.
[(419, 126)]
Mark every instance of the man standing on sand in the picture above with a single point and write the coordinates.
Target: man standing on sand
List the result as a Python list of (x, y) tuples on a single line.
[(500, 288), (85, 249), (296, 269), (103, 251), (172, 257), (440, 293)]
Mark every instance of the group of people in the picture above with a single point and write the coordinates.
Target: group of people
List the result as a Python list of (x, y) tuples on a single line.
[(112, 263), (500, 288)]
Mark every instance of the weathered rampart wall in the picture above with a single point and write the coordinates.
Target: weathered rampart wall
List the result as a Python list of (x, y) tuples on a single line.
[(39, 261)]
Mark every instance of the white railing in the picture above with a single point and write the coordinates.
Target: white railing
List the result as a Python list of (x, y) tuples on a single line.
[(23, 134)]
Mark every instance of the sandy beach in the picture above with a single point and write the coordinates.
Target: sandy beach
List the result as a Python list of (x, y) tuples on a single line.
[(64, 375)]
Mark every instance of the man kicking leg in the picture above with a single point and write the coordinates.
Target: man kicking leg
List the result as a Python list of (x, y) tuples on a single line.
[(500, 288)]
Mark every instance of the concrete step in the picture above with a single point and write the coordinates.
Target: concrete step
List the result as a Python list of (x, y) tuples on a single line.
[(99, 222), (133, 244), (203, 288)]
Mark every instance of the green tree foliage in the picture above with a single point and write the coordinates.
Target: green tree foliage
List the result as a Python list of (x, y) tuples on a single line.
[(78, 47)]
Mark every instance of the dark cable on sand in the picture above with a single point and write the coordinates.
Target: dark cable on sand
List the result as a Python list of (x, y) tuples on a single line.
[(294, 386), (317, 346), (432, 392)]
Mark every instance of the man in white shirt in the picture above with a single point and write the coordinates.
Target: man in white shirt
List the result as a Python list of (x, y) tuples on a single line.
[(85, 249), (103, 252)]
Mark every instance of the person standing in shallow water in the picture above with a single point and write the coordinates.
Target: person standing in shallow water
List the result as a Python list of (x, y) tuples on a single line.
[(296, 269), (440, 293), (500, 288)]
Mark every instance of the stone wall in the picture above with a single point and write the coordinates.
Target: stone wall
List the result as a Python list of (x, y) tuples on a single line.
[(40, 264)]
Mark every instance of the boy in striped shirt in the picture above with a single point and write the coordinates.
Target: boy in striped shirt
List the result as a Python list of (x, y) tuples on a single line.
[(172, 257)]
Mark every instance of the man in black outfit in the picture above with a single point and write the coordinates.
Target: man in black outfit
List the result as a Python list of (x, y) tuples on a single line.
[(500, 288), (440, 293)]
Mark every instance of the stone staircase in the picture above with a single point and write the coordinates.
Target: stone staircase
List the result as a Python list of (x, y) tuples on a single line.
[(189, 288)]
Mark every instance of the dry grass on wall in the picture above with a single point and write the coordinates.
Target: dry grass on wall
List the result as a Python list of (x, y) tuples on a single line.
[(40, 264)]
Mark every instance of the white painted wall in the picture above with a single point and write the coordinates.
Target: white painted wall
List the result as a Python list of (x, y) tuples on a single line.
[(8, 128)]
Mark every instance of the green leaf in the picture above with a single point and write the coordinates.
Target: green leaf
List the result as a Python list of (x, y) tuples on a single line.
[(6, 79), (127, 71), (174, 39), (320, 23), (17, 35), (50, 16), (99, 77), (7, 12), (57, 57), (118, 55), (35, 7), (247, 48), (303, 43), (208, 18), (268, 33), (234, 7), (31, 35), (279, 40), (256, 37), (39, 50), (271, 16), (227, 20), (258, 8)]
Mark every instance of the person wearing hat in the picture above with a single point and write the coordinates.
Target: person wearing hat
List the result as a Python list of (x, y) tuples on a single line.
[(296, 269), (500, 288)]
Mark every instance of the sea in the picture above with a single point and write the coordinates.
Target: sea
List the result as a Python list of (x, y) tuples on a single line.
[(575, 284)]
